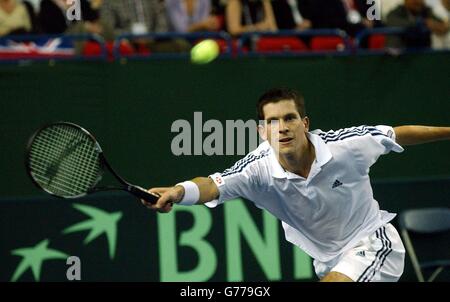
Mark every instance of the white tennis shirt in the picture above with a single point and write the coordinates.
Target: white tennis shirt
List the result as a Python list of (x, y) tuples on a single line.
[(332, 209)]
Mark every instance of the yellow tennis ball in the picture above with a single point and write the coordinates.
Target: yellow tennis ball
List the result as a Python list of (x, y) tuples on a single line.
[(204, 52)]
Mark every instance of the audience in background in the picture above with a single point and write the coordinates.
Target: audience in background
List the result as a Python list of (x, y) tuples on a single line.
[(441, 9), (53, 18), (15, 18), (142, 17), (135, 16), (348, 15), (288, 16), (192, 16), (218, 8), (243, 16), (426, 22), (419, 22), (357, 12), (387, 6)]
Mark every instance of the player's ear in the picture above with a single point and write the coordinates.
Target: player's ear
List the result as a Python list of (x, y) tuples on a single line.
[(305, 121), (262, 131)]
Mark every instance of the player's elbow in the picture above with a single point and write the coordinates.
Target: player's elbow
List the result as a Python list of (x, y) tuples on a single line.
[(213, 191)]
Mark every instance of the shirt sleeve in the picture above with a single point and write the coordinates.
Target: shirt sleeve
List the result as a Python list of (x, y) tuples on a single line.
[(372, 142), (238, 181)]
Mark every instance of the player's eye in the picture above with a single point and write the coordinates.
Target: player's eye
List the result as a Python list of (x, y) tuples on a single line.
[(290, 118)]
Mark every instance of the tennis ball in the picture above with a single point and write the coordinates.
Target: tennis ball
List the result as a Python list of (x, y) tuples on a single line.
[(204, 52)]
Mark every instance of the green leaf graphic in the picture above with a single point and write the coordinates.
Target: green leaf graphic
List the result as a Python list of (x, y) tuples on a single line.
[(33, 257), (100, 222)]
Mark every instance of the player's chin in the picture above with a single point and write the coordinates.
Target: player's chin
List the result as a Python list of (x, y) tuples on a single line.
[(285, 148)]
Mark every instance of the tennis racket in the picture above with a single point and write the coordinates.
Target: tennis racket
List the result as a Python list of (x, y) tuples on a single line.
[(66, 161)]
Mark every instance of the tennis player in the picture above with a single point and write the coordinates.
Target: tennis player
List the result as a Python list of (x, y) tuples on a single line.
[(317, 183)]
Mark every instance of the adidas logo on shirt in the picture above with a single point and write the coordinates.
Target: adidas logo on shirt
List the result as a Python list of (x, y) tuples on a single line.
[(336, 183), (361, 253)]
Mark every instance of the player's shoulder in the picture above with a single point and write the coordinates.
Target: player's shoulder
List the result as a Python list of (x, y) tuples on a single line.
[(350, 133), (262, 150), (253, 158)]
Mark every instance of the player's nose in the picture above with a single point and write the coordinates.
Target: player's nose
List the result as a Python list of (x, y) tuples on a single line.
[(282, 126)]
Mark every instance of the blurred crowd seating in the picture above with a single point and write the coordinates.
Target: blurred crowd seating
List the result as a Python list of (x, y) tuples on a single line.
[(146, 28)]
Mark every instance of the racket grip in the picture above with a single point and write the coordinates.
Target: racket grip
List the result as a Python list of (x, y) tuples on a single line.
[(143, 194)]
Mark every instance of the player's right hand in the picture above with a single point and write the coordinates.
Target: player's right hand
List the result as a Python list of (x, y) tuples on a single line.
[(168, 196)]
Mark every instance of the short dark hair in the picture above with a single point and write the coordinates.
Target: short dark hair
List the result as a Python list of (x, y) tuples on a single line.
[(275, 95)]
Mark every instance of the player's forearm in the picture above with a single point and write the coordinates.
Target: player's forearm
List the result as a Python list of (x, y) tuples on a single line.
[(208, 190), (413, 135)]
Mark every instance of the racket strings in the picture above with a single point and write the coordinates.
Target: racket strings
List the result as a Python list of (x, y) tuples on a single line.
[(51, 169), (55, 171), (78, 166), (64, 160), (62, 180), (63, 171)]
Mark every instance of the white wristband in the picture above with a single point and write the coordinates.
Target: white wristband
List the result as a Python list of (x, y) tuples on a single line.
[(191, 193)]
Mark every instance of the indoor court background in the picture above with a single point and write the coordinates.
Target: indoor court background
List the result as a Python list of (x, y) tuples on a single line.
[(130, 106)]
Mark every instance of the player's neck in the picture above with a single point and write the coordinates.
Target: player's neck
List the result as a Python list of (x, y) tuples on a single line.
[(300, 163)]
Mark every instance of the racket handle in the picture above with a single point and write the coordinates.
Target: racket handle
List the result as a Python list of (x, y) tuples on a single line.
[(143, 194)]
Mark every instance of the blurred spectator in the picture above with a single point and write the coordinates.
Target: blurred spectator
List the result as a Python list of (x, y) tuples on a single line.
[(34, 4), (191, 16), (15, 18), (249, 16), (33, 17), (218, 7), (90, 11), (387, 6), (135, 16), (432, 3), (418, 20), (288, 15), (53, 20), (348, 15), (357, 11), (53, 17), (141, 17), (442, 10)]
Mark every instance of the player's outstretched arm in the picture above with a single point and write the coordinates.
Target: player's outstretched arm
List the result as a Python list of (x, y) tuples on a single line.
[(413, 135), (207, 191)]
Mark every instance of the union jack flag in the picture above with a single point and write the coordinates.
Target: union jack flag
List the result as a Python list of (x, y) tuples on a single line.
[(37, 48)]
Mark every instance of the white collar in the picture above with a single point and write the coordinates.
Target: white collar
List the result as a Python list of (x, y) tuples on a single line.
[(323, 155)]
